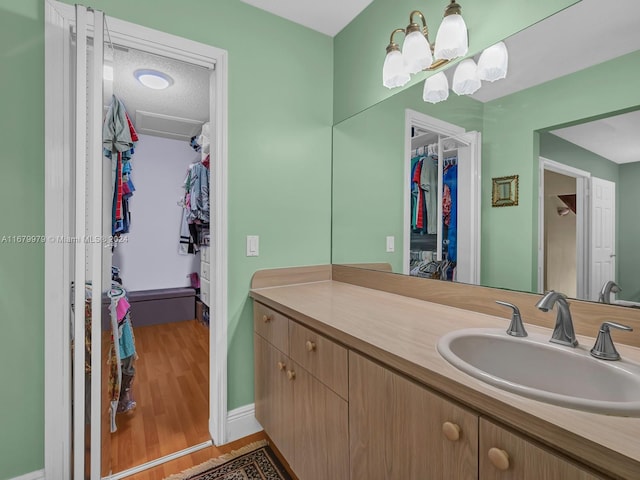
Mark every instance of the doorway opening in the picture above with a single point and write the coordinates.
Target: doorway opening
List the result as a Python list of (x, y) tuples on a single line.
[(441, 200), (77, 200), (563, 206)]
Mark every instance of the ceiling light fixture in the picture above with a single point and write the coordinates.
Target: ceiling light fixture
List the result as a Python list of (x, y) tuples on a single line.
[(153, 79), (452, 41)]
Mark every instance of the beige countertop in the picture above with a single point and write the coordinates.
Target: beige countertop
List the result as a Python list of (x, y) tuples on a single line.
[(402, 333)]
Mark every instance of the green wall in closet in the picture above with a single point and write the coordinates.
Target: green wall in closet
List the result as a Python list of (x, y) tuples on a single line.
[(359, 49), (280, 118)]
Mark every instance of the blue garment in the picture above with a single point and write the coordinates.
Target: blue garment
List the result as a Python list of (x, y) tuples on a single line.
[(126, 342), (450, 178)]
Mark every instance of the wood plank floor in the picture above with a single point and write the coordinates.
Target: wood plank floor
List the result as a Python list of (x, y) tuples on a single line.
[(171, 388)]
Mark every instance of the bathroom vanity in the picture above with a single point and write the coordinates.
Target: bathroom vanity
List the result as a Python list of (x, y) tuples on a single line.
[(349, 385)]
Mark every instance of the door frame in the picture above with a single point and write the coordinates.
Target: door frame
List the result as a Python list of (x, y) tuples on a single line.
[(59, 19), (583, 187)]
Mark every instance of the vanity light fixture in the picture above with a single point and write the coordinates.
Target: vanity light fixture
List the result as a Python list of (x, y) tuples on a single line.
[(153, 79), (417, 51), (452, 41)]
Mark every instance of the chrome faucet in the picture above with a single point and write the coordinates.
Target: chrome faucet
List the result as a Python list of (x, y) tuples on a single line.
[(607, 289), (563, 332)]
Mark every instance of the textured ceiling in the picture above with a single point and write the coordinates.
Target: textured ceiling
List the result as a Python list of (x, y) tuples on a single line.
[(187, 97), (615, 138), (325, 16)]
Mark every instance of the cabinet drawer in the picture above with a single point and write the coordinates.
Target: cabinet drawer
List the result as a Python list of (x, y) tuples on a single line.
[(272, 326), (204, 271), (505, 455), (324, 359), (204, 255), (205, 290)]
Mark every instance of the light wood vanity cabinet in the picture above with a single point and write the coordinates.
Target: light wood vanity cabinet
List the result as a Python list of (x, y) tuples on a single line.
[(507, 456), (295, 399), (400, 430), (336, 414)]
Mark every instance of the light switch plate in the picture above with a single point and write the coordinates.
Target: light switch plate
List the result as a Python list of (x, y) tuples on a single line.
[(391, 244), (253, 245)]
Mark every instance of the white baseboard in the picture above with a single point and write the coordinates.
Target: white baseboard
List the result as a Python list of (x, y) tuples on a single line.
[(242, 422), (38, 475)]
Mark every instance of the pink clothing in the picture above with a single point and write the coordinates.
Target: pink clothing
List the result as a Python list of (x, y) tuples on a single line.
[(122, 308)]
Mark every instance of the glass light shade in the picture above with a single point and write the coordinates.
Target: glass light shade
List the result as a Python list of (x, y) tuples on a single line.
[(394, 73), (493, 63), (436, 88), (465, 78), (416, 52), (153, 79), (451, 40)]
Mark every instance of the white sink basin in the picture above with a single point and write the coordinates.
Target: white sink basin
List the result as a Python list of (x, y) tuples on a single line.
[(544, 371)]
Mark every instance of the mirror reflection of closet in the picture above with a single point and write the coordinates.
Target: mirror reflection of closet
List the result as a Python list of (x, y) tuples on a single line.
[(443, 178), (156, 402)]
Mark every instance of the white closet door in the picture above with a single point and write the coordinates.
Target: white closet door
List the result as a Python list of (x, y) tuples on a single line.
[(468, 211), (88, 246), (603, 234)]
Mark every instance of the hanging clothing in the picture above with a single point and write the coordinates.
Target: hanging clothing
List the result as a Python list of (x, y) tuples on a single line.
[(450, 180), (429, 184), (119, 138)]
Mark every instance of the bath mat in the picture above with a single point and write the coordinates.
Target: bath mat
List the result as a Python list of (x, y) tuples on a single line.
[(255, 461)]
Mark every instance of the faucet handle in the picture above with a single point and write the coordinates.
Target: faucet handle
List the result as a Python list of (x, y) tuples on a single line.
[(604, 348), (516, 327)]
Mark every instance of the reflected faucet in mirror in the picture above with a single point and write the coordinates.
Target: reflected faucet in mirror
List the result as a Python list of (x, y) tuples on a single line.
[(563, 332), (607, 289)]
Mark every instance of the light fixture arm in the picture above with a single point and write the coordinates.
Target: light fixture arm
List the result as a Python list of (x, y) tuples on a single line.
[(392, 45), (415, 27)]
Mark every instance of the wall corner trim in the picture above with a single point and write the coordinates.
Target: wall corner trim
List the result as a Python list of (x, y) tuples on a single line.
[(37, 475), (241, 422)]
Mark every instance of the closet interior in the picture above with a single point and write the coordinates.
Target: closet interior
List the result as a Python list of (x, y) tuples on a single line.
[(434, 204), (155, 317)]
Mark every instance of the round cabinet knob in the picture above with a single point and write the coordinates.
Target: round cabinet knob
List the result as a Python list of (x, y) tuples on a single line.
[(499, 458), (291, 375), (281, 366), (311, 346), (451, 431), (266, 318)]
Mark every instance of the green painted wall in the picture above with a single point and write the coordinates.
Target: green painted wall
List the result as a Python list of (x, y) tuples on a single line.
[(629, 231), (359, 49), (280, 118), (368, 174), (21, 213), (510, 146), (567, 153)]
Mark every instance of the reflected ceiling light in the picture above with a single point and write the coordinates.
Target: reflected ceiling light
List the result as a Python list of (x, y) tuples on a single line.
[(465, 78), (493, 63), (153, 79), (436, 88)]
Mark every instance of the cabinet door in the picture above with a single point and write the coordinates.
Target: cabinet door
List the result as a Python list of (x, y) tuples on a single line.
[(274, 395), (396, 429), (514, 458), (321, 430)]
